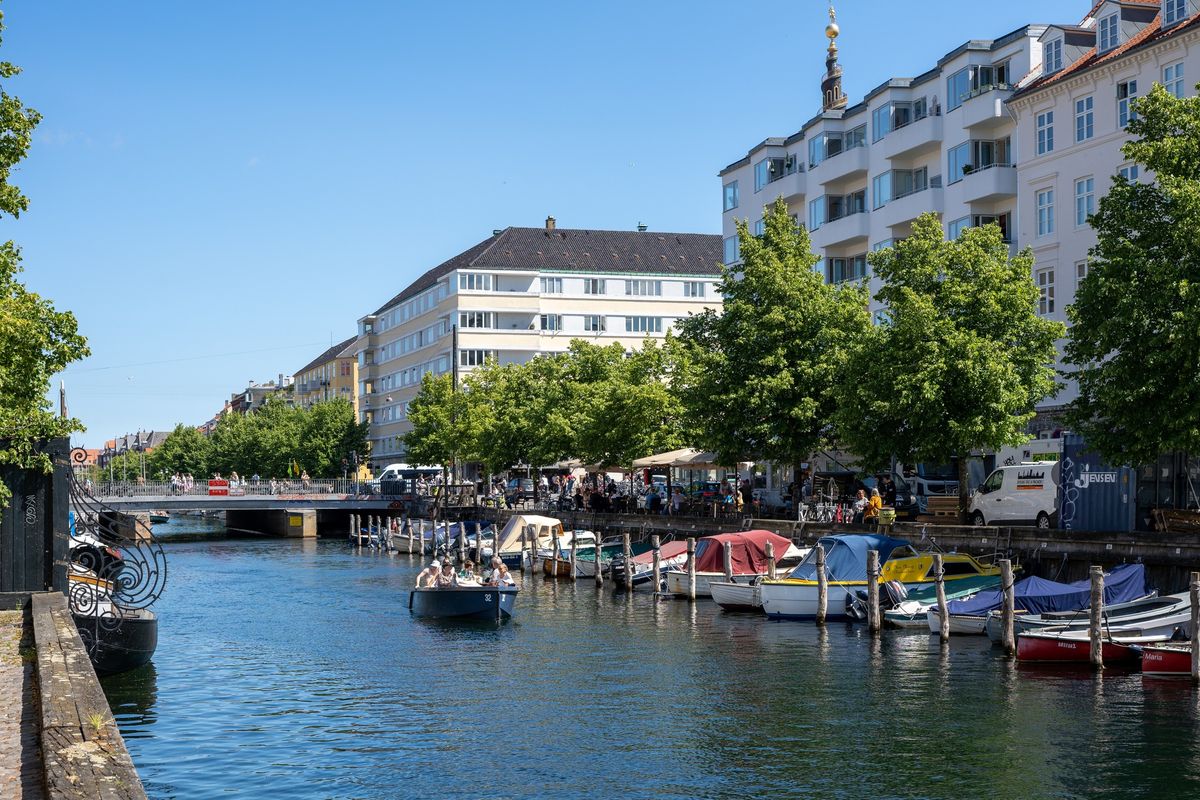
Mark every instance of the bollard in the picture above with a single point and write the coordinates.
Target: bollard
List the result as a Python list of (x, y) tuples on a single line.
[(822, 586), (770, 561), (627, 552), (873, 590), (1097, 617), (574, 555), (729, 562), (939, 574), (654, 544), (691, 568), (1195, 587), (1008, 610)]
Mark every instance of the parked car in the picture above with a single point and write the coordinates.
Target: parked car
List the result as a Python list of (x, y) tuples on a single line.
[(520, 490), (1018, 493)]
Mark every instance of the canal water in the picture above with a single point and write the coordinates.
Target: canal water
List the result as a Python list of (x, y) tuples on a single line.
[(293, 670)]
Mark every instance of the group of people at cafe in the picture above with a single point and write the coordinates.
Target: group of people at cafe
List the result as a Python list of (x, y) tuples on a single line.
[(442, 575)]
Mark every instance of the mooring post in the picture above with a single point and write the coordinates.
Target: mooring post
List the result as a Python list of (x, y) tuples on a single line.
[(357, 530), (1195, 587), (939, 575), (351, 525), (409, 525), (462, 540), (656, 548), (822, 586), (574, 553), (691, 566), (770, 560), (1095, 623), (627, 552), (729, 561), (524, 536), (1008, 610), (553, 553), (873, 590)]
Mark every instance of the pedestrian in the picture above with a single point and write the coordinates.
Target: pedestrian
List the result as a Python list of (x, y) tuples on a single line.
[(677, 501), (871, 513), (860, 506)]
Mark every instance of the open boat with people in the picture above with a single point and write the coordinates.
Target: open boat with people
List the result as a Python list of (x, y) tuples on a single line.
[(464, 602), (748, 554)]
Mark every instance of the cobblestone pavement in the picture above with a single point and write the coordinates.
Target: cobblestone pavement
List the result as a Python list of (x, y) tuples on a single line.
[(20, 754)]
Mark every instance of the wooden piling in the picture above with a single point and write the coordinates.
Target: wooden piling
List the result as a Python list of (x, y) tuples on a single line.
[(351, 525), (599, 576), (655, 544), (943, 610), (553, 551), (410, 536), (627, 552), (574, 554), (524, 537), (1096, 622), (1195, 588), (822, 586), (1008, 609), (357, 530), (691, 568), (729, 562), (770, 560), (873, 618), (462, 541)]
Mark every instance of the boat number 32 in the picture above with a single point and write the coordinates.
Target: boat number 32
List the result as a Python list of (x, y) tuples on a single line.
[(487, 598)]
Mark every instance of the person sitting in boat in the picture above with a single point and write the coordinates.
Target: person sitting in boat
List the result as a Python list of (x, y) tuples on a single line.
[(501, 577), (428, 576), (446, 579), (468, 574)]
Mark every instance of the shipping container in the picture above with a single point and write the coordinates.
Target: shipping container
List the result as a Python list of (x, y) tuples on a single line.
[(1093, 496)]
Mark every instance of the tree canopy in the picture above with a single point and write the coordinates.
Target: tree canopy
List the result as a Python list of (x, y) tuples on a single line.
[(279, 440), (185, 450), (1134, 344)]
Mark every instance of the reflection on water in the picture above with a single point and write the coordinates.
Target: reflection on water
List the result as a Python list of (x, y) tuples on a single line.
[(294, 670)]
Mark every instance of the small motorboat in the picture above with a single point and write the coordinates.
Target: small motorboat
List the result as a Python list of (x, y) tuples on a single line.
[(539, 534), (559, 565), (911, 611), (736, 597), (748, 560), (670, 554), (1134, 612), (117, 638), (159, 516), (464, 602), (1174, 658), (1074, 647)]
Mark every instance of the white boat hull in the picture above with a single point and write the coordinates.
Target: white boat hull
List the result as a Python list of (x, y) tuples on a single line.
[(799, 600), (677, 582), (963, 624), (735, 596)]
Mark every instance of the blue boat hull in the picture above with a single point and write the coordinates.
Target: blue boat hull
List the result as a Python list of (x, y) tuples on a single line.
[(464, 602)]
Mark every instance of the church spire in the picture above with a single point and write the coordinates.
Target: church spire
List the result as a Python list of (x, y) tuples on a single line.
[(832, 98)]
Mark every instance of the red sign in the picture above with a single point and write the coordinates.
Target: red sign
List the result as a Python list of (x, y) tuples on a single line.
[(218, 487)]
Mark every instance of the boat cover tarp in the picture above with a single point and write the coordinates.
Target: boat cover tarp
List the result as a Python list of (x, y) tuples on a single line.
[(846, 556), (665, 550), (510, 537), (1038, 595), (748, 550)]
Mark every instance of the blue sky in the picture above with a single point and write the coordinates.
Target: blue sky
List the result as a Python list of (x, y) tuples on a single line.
[(220, 189)]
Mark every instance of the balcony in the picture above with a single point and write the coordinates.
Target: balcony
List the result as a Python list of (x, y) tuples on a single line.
[(989, 183), (918, 136), (902, 210), (984, 109), (842, 230), (852, 163), (789, 186)]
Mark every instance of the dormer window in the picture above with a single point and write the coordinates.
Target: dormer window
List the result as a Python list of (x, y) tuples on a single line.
[(1052, 57), (1110, 32), (1174, 11)]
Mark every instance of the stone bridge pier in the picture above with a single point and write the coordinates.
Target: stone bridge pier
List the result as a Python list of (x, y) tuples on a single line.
[(292, 523)]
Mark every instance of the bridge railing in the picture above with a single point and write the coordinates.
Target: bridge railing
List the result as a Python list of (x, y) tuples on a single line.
[(260, 488)]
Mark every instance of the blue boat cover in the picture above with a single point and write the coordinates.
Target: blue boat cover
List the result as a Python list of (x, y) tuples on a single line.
[(1038, 595), (846, 556)]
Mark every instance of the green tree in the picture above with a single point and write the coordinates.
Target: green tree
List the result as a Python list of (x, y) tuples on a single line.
[(758, 379), (185, 450), (1134, 342), (277, 437), (446, 423), (960, 362), (36, 341)]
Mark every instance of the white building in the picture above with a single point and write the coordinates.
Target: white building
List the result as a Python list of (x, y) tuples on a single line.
[(859, 176), (522, 292), (1071, 119)]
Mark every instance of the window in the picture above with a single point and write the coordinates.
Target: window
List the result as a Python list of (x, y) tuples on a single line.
[(958, 87), (767, 170), (594, 285), (1045, 284), (1173, 79), (731, 196), (1110, 32), (1081, 271), (476, 319), (881, 122), (884, 245), (475, 282), (816, 213), (1045, 212), (840, 270), (1129, 172), (816, 151), (1174, 10), (909, 181), (643, 324), (1085, 200), (856, 137), (643, 288), (999, 220), (593, 323), (1084, 121), (693, 288), (1126, 92), (1052, 56), (1045, 132), (474, 358), (956, 227), (760, 227), (958, 160), (551, 322), (552, 286), (881, 190), (731, 249)]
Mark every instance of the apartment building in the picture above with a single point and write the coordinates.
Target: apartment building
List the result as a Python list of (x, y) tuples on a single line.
[(331, 375), (859, 175), (1071, 118), (519, 293)]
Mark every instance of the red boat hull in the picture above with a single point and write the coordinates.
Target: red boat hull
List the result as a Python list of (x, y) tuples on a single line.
[(1052, 649), (1166, 661)]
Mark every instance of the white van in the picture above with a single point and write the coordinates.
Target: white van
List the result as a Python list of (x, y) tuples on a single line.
[(1018, 493)]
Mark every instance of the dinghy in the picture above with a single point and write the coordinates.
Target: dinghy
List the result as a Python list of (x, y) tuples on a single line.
[(464, 602)]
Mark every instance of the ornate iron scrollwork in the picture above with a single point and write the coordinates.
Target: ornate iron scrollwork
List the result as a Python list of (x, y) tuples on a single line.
[(117, 568)]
